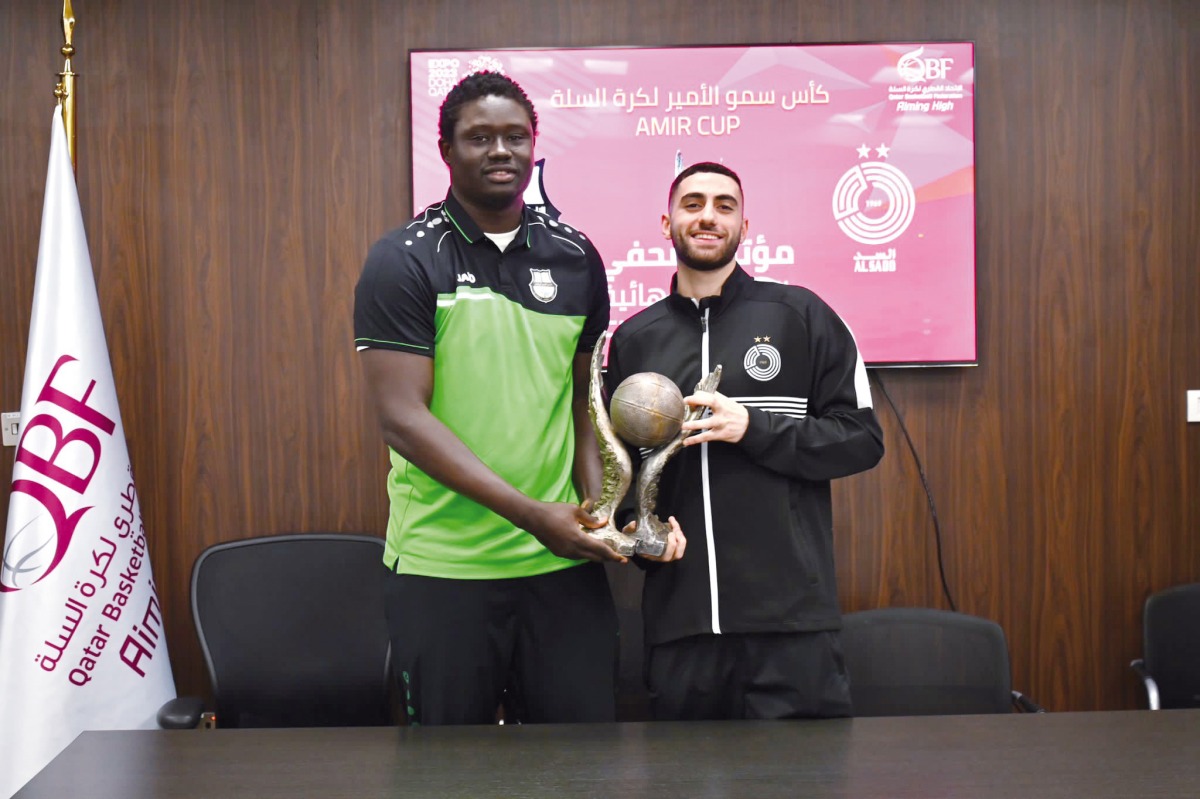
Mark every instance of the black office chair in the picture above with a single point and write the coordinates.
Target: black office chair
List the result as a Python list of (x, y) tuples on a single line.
[(923, 662), (1170, 662), (293, 633)]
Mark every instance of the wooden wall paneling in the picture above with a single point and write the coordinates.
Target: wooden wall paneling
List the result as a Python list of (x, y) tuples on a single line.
[(26, 106)]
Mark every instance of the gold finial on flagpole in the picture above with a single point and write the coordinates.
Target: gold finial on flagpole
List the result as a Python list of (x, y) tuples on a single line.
[(65, 90)]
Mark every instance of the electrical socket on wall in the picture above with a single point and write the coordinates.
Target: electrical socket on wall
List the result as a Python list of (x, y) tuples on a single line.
[(12, 427), (1193, 406)]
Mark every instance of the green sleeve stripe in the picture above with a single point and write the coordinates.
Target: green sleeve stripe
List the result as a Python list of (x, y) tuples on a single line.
[(393, 343)]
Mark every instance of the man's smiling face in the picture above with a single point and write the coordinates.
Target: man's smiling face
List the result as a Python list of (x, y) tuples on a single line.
[(705, 222), (491, 153)]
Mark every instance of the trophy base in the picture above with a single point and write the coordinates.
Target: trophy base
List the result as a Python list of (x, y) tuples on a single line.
[(617, 541), (650, 546)]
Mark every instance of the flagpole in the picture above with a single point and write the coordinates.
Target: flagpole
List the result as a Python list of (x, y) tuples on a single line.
[(65, 90)]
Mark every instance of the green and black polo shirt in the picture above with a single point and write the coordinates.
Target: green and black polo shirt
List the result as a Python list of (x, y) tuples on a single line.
[(503, 329)]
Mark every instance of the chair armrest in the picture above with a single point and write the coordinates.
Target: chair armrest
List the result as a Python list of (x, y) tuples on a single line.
[(181, 713), (1025, 704), (1152, 700)]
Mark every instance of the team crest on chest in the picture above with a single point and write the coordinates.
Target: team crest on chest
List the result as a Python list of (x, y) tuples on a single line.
[(762, 361), (542, 285)]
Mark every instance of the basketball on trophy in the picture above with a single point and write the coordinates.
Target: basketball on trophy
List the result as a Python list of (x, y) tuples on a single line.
[(647, 410)]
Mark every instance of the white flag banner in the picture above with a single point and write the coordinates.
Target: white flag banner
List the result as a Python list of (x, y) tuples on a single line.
[(82, 645)]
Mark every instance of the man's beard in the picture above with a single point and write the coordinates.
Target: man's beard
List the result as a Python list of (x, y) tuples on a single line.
[(718, 261)]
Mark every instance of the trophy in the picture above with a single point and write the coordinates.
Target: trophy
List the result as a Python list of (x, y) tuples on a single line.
[(647, 412)]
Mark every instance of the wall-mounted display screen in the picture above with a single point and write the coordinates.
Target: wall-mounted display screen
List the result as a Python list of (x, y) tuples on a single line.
[(857, 162)]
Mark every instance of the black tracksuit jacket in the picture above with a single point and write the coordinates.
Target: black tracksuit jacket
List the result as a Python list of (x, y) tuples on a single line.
[(757, 514)]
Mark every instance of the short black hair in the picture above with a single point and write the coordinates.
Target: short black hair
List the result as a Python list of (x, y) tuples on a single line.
[(474, 86), (703, 166)]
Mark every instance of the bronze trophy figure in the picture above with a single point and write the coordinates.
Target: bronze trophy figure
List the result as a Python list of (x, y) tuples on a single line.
[(651, 417)]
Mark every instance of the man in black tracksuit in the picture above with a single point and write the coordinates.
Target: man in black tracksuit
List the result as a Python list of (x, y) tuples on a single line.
[(745, 626)]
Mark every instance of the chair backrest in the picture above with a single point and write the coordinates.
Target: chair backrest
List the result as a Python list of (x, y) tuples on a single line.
[(1171, 644), (923, 661), (293, 632)]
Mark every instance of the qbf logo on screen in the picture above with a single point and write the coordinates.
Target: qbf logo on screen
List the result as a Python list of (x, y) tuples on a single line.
[(915, 69)]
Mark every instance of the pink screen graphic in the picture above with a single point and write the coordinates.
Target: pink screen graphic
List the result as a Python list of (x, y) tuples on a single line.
[(857, 161)]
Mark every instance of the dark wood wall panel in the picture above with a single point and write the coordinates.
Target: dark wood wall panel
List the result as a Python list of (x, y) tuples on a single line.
[(236, 159)]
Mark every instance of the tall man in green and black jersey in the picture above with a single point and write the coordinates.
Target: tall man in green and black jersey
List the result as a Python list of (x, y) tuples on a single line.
[(475, 322)]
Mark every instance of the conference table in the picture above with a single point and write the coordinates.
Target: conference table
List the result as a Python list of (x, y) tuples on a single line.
[(1031, 756)]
